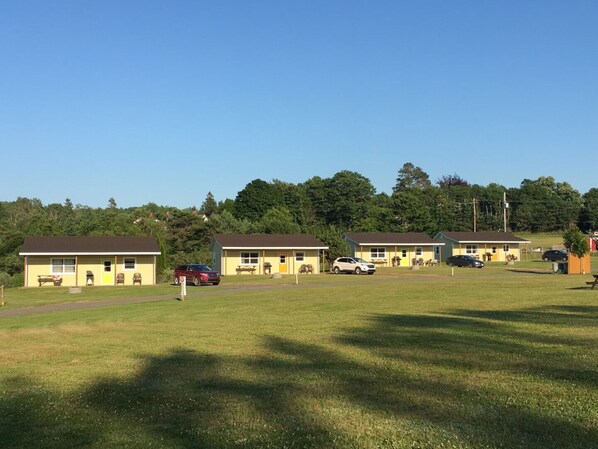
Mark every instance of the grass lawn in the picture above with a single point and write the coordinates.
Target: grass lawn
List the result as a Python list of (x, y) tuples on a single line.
[(500, 357)]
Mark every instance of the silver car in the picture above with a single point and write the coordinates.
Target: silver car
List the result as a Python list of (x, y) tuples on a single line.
[(353, 265)]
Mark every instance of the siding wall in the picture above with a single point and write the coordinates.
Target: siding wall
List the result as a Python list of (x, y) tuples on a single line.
[(41, 265), (227, 261), (497, 251), (405, 252)]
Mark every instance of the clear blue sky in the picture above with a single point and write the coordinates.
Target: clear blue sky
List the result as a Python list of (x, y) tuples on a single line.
[(163, 101)]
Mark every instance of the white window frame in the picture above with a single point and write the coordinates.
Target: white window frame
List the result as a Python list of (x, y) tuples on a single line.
[(300, 256), (125, 259), (61, 266), (378, 253), (506, 248), (249, 258), (403, 253), (472, 248), (419, 251)]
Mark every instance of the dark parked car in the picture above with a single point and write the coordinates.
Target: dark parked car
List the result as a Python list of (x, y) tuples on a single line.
[(554, 255), (464, 261), (197, 274)]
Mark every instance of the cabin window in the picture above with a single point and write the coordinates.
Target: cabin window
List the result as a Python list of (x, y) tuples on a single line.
[(419, 251), (299, 256), (249, 258), (63, 266), (471, 249), (378, 253), (130, 263), (506, 248)]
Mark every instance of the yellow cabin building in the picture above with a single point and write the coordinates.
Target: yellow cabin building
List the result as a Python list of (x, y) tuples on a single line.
[(489, 246), (242, 254), (394, 249), (74, 261)]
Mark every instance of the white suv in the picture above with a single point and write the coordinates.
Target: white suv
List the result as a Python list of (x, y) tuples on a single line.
[(353, 265)]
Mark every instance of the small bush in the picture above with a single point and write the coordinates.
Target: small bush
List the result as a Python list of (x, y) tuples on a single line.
[(11, 281)]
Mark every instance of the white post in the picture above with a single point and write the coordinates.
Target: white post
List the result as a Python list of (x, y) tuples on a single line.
[(296, 278), (183, 282), (2, 295)]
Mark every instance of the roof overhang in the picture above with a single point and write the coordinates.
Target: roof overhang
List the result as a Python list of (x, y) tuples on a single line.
[(400, 243), (491, 241), (70, 253), (275, 247)]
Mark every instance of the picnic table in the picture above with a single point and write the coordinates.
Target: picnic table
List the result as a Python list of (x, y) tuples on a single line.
[(43, 278), (249, 268), (594, 282)]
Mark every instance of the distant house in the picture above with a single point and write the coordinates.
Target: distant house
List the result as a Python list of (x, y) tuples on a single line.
[(266, 253), (79, 261), (487, 245), (394, 248)]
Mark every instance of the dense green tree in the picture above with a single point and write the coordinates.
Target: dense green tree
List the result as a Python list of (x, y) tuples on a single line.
[(318, 203), (279, 220), (588, 217), (209, 207), (543, 205), (256, 199), (576, 242), (412, 212), (294, 200), (378, 217), (225, 222), (349, 195), (331, 236), (449, 181), (411, 177)]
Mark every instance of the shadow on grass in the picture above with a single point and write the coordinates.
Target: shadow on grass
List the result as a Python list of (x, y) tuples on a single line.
[(395, 372)]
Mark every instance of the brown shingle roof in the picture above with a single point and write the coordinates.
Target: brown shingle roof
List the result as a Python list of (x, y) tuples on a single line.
[(391, 238), (485, 236), (89, 245), (259, 241)]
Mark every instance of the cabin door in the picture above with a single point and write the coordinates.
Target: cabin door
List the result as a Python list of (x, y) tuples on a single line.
[(107, 273), (282, 264)]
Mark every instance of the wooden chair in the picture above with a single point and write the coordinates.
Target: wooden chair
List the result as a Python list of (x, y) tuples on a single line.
[(120, 278), (137, 278)]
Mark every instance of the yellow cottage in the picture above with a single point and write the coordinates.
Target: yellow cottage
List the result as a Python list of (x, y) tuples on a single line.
[(266, 253), (74, 261), (490, 246), (394, 249)]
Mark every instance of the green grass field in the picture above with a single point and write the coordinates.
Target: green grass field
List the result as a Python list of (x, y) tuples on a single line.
[(500, 357)]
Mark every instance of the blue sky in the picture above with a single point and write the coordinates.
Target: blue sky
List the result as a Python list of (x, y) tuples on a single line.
[(163, 101)]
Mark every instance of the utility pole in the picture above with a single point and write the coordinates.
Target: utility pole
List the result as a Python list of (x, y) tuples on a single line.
[(475, 216), (505, 206)]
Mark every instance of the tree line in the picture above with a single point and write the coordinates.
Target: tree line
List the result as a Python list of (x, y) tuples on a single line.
[(324, 207)]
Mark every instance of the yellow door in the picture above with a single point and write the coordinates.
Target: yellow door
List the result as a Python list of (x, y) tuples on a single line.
[(107, 273), (282, 265)]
